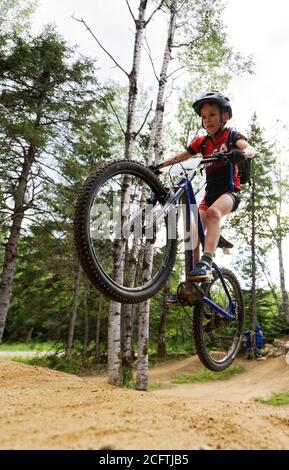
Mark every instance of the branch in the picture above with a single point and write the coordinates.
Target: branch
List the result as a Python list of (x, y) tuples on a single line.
[(150, 58), (116, 115), (179, 68), (145, 119), (158, 8), (180, 7), (100, 45), (128, 5), (184, 44), (52, 169), (37, 222), (48, 123), (2, 223)]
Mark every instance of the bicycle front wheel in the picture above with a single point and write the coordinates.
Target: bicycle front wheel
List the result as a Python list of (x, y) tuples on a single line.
[(218, 338), (124, 253)]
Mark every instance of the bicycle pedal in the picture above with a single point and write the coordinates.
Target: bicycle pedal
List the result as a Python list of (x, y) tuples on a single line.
[(203, 279), (174, 305)]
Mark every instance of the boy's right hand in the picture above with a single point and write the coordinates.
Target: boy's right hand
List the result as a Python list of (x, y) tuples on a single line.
[(155, 169)]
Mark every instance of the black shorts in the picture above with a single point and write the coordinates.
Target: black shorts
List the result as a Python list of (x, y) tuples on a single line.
[(210, 198)]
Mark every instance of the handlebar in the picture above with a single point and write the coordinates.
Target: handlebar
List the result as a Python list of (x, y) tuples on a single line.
[(209, 159), (215, 157)]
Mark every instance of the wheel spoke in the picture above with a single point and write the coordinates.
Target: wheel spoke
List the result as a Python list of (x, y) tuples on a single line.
[(125, 255), (218, 337)]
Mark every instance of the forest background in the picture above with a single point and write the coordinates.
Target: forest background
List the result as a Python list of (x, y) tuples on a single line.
[(60, 116)]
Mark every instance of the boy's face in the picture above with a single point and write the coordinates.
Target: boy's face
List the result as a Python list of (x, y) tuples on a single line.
[(211, 117)]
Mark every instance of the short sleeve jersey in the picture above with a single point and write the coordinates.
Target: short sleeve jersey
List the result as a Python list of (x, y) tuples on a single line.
[(217, 173)]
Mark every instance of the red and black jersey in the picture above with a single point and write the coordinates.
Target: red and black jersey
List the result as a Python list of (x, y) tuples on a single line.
[(217, 173)]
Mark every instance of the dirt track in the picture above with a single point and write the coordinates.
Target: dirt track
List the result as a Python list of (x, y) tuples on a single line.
[(44, 409)]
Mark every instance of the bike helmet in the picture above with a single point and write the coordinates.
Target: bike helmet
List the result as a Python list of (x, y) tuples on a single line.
[(213, 97)]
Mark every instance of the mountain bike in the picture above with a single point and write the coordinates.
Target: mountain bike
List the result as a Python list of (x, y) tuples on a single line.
[(126, 230)]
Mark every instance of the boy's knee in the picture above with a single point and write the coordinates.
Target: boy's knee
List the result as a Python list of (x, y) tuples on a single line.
[(214, 214)]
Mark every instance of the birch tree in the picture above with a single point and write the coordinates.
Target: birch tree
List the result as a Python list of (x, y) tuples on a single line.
[(196, 17), (195, 31), (114, 324), (154, 154), (73, 313)]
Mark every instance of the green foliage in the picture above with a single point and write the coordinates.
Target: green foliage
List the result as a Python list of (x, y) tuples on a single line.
[(206, 52), (273, 325), (43, 291), (71, 365), (49, 102), (15, 15), (31, 346), (204, 39), (205, 375), (279, 399), (261, 171)]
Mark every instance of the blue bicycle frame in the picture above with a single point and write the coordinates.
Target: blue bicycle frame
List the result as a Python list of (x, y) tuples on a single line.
[(186, 188)]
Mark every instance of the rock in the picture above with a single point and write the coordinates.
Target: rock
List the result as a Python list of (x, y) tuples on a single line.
[(204, 447)]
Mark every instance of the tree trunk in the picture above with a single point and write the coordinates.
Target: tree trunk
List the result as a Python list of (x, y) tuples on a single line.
[(114, 345), (97, 332), (285, 298), (114, 314), (11, 247), (127, 353), (160, 106), (130, 133), (254, 267), (29, 334), (73, 313), (127, 312), (143, 336), (114, 323), (86, 324), (271, 286), (253, 253), (154, 146), (162, 352)]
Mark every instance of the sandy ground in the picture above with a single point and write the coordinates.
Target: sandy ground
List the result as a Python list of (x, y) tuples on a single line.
[(44, 409)]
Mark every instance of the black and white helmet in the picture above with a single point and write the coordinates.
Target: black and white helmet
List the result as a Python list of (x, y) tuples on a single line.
[(213, 97)]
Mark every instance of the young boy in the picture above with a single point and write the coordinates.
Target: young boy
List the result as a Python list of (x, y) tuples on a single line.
[(215, 110)]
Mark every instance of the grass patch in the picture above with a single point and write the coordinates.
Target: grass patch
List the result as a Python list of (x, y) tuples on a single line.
[(71, 365), (154, 386), (205, 375), (278, 399), (30, 346), (151, 386)]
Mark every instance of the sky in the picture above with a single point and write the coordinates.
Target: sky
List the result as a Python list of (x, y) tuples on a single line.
[(257, 27)]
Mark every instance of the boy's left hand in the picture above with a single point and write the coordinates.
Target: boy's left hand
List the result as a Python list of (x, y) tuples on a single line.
[(236, 155)]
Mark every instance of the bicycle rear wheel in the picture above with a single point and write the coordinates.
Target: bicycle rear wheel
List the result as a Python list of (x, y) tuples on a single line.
[(217, 338), (115, 207)]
